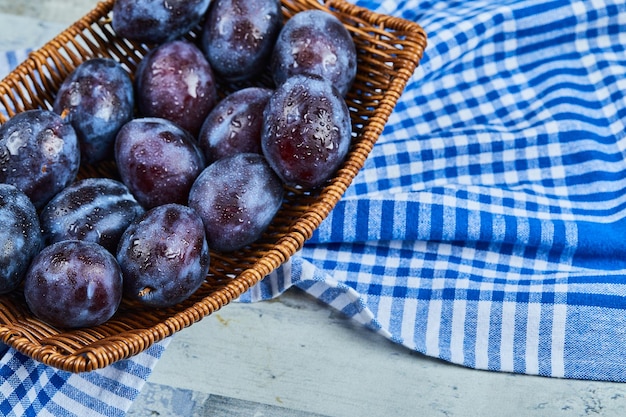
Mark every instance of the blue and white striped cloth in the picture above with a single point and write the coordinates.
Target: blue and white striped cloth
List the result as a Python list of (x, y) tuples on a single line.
[(488, 227), (29, 388)]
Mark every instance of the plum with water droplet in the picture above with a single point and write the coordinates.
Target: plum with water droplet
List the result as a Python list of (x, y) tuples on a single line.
[(175, 82), (237, 197), (21, 237), (97, 98), (93, 209), (39, 154), (315, 42), (238, 36), (157, 21), (164, 256), (73, 284), (307, 131), (157, 160), (234, 125)]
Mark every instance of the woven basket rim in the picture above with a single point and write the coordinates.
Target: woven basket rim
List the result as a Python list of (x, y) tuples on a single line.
[(70, 352)]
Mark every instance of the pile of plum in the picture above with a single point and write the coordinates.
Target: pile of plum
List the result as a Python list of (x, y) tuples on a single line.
[(196, 172)]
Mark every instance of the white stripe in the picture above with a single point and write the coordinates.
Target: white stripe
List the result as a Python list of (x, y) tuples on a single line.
[(482, 334), (325, 230), (424, 220), (459, 310), (73, 406), (559, 316), (287, 273), (507, 336), (274, 285), (350, 215), (532, 338), (399, 218), (384, 311), (449, 216), (433, 326), (408, 323), (44, 413)]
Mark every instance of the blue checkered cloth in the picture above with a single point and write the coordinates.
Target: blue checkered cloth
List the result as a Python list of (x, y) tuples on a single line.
[(487, 228)]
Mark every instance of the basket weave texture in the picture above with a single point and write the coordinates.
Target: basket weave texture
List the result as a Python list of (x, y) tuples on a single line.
[(389, 50)]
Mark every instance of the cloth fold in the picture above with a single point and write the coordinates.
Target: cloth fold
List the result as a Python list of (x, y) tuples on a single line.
[(487, 227)]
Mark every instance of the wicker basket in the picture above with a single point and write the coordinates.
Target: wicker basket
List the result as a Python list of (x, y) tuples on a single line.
[(389, 50)]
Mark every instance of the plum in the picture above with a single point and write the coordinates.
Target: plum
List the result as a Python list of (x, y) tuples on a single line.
[(93, 209), (157, 21), (21, 237), (237, 197), (234, 125), (315, 42), (73, 284), (238, 36), (39, 154), (307, 131), (97, 98), (176, 82), (157, 160), (164, 256)]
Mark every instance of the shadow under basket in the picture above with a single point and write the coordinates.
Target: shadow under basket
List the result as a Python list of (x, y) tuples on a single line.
[(389, 50)]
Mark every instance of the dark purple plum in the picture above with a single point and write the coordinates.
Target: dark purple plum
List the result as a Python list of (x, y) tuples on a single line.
[(72, 284), (307, 131), (93, 209), (238, 36), (175, 81), (164, 256), (237, 197), (157, 21), (315, 42), (234, 125), (20, 239), (39, 154), (157, 160), (97, 98)]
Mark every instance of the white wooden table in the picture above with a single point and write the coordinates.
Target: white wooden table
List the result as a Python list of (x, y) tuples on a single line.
[(295, 357)]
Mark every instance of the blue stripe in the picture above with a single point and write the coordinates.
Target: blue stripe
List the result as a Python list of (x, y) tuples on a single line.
[(445, 331), (469, 341), (593, 176), (597, 300), (576, 158), (387, 220), (532, 10), (338, 220), (495, 334), (559, 74), (616, 279), (601, 246)]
